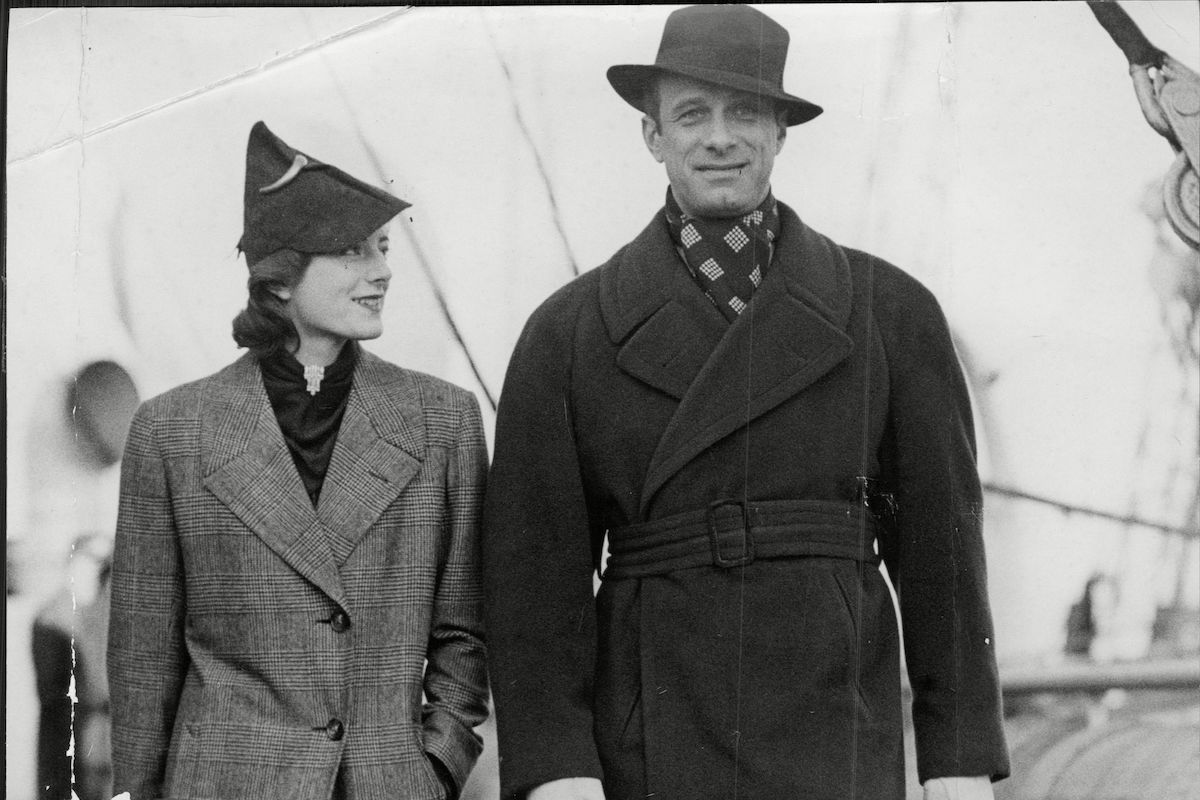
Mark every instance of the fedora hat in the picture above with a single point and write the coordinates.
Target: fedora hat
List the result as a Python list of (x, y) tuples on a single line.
[(733, 46), (294, 201)]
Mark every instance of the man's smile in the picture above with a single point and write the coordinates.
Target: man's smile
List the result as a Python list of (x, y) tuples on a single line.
[(723, 169)]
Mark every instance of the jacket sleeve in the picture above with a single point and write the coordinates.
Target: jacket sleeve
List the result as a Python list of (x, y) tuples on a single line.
[(937, 559), (455, 673), (147, 659), (538, 569)]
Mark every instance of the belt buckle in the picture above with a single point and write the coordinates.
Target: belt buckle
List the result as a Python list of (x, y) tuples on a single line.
[(747, 554)]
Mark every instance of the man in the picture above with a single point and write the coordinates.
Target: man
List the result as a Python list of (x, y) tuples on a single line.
[(748, 412)]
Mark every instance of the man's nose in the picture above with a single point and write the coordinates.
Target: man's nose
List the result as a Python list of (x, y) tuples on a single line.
[(720, 135)]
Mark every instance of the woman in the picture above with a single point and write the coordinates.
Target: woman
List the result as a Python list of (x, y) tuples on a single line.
[(295, 600)]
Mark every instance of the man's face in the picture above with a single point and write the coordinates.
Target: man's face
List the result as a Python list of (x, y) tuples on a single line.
[(718, 145)]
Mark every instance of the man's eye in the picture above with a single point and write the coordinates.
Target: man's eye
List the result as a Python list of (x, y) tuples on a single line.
[(691, 115), (353, 250)]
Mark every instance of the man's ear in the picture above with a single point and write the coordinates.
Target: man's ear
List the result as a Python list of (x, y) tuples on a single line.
[(783, 128), (651, 136)]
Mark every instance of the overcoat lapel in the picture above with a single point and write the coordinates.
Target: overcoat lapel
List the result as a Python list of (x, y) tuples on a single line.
[(792, 334), (664, 323), (247, 466), (379, 449)]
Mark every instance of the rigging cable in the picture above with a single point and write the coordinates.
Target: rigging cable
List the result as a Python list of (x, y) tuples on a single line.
[(1069, 508), (422, 259), (555, 214)]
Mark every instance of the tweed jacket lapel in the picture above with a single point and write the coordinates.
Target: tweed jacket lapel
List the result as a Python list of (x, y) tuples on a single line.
[(792, 334), (247, 466), (380, 447)]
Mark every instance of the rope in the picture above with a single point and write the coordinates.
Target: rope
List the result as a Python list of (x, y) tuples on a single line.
[(1069, 508)]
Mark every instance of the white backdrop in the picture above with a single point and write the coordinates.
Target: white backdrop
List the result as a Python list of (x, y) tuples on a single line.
[(994, 150)]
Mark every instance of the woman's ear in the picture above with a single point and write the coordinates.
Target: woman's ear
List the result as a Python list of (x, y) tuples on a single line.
[(282, 292)]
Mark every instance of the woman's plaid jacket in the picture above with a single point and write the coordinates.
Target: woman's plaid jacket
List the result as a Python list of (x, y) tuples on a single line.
[(260, 646)]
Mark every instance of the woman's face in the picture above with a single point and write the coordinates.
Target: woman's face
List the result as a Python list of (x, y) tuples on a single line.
[(340, 297)]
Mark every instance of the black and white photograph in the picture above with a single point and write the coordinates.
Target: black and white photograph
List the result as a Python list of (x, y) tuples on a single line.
[(603, 402)]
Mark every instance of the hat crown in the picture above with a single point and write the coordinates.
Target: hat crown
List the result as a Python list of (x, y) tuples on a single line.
[(268, 159), (294, 201), (732, 39)]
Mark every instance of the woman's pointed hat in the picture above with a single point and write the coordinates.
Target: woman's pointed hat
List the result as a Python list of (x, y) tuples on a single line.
[(294, 201)]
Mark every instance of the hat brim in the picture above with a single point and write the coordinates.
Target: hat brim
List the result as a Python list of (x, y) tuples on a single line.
[(631, 80)]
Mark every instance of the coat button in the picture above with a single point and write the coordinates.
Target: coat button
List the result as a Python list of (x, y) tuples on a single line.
[(340, 622), (335, 730)]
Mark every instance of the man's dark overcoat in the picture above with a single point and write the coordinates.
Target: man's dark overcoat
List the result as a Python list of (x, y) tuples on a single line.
[(628, 399), (262, 648)]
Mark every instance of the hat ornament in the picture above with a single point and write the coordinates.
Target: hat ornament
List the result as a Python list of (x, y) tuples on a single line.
[(298, 163)]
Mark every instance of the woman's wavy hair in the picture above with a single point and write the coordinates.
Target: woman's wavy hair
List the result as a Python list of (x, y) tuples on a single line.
[(263, 326)]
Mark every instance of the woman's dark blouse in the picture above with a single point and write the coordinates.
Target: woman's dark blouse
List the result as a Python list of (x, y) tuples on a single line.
[(309, 422)]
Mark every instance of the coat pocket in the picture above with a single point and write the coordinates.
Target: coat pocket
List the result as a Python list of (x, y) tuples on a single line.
[(632, 718), (183, 753), (860, 606), (849, 586), (433, 784)]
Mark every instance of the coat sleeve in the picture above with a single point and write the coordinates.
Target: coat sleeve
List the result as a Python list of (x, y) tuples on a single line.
[(147, 659), (937, 558), (53, 658), (538, 569), (455, 674)]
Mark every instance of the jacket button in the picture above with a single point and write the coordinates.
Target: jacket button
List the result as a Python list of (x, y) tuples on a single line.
[(335, 730), (340, 622)]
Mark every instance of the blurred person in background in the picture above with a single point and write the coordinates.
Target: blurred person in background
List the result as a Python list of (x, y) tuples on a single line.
[(296, 608), (751, 415), (69, 641), (1090, 617)]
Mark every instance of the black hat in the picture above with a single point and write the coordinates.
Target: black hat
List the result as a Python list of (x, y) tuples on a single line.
[(293, 200), (732, 46)]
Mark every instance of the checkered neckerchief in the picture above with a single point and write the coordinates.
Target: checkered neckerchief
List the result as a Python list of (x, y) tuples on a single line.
[(727, 257)]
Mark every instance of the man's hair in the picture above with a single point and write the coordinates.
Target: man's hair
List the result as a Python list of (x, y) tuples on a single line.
[(652, 105), (263, 325)]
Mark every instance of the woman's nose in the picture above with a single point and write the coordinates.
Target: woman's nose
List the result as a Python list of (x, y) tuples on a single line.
[(378, 270)]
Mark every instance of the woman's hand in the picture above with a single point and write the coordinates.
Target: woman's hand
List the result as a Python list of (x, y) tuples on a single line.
[(569, 789)]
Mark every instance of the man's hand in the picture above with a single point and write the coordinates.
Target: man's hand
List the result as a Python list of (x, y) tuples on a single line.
[(954, 789), (569, 789)]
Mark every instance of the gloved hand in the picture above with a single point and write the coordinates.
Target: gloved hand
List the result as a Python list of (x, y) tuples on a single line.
[(959, 789), (569, 789)]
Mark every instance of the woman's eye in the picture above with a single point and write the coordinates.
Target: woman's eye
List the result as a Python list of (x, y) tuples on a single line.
[(353, 250)]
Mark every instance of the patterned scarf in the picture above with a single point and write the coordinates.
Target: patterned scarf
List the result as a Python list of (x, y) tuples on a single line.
[(727, 257)]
